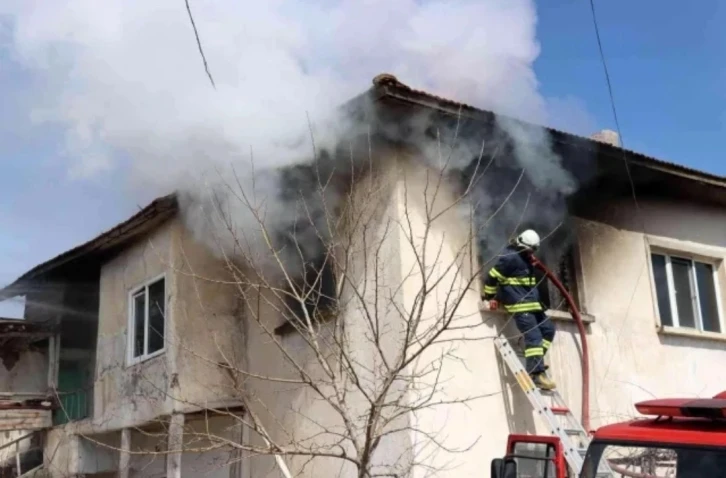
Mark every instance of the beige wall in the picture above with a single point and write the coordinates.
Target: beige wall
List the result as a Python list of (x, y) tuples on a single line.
[(202, 331), (28, 376), (209, 324), (292, 409), (128, 395), (470, 368), (389, 277), (207, 336), (631, 359)]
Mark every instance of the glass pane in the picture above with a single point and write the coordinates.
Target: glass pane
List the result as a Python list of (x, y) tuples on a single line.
[(139, 311), (661, 289), (639, 461), (655, 461), (684, 294), (707, 297), (533, 458), (157, 312)]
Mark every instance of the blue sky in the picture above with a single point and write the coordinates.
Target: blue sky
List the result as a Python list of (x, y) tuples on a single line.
[(666, 62)]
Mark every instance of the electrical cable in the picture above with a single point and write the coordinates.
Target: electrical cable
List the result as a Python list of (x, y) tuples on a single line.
[(614, 110), (199, 44), (638, 209)]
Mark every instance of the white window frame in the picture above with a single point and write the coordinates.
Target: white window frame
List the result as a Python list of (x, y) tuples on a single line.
[(695, 297), (131, 322)]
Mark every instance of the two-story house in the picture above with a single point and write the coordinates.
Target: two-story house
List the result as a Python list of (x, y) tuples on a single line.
[(164, 355)]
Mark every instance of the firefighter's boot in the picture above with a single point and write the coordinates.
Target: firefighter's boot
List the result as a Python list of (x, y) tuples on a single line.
[(543, 382)]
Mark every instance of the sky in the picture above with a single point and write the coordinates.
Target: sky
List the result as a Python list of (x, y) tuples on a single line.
[(666, 63)]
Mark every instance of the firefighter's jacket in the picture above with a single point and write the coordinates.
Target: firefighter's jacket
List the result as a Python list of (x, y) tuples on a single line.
[(513, 282)]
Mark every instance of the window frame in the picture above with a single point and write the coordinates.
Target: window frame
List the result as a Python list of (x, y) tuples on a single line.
[(131, 320), (714, 262), (577, 285)]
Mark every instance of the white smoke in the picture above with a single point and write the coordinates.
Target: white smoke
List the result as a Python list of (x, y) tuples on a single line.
[(125, 83)]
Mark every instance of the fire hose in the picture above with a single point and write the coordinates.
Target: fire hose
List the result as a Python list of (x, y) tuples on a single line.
[(583, 341), (585, 361)]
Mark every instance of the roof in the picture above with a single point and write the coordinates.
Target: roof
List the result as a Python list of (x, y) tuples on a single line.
[(14, 328), (386, 85), (127, 231), (386, 88), (680, 421), (684, 431)]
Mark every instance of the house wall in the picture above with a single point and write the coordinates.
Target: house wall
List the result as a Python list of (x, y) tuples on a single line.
[(28, 376), (61, 454), (297, 415), (130, 395), (204, 458), (293, 412), (207, 333), (476, 413), (220, 338), (202, 331), (631, 358), (383, 269)]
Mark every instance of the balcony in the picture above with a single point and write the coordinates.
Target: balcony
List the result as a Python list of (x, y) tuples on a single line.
[(25, 398)]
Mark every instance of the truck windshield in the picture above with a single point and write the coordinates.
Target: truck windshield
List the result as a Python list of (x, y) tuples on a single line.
[(654, 461)]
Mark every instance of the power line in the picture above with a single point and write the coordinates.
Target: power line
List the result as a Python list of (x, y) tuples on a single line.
[(199, 44), (627, 169), (614, 110)]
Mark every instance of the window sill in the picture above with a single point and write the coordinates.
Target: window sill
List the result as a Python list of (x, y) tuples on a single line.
[(692, 333), (288, 328), (554, 314), (145, 358), (567, 316)]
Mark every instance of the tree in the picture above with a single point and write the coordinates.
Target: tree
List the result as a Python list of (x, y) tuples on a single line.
[(373, 304), (356, 281)]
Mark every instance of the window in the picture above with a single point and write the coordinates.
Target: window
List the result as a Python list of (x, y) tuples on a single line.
[(562, 265), (535, 459), (656, 460), (147, 320), (561, 261), (686, 293)]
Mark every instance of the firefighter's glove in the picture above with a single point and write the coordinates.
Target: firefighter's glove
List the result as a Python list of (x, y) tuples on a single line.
[(493, 304)]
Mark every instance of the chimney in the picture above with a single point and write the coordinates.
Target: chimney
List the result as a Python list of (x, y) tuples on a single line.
[(607, 136)]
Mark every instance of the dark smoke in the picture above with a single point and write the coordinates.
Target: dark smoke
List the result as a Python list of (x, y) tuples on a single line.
[(512, 178)]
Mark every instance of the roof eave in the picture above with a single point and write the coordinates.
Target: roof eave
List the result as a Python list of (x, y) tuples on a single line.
[(157, 212), (387, 86)]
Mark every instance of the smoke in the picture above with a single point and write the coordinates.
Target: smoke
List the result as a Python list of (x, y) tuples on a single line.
[(124, 83)]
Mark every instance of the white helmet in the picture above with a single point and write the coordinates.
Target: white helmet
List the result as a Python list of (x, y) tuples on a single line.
[(528, 240)]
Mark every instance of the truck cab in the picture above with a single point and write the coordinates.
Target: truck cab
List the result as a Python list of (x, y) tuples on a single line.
[(681, 438)]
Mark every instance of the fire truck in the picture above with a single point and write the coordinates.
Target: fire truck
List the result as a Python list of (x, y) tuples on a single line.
[(675, 438)]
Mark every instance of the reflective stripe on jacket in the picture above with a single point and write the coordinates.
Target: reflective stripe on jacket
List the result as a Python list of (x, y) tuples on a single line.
[(512, 279)]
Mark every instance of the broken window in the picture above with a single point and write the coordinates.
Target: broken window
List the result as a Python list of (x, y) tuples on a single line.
[(148, 320), (561, 262), (562, 265), (318, 288), (686, 292)]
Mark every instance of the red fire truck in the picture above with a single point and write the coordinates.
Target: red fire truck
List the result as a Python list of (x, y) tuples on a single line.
[(682, 438)]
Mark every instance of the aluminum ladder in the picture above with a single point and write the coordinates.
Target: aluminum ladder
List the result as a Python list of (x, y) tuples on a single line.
[(553, 410)]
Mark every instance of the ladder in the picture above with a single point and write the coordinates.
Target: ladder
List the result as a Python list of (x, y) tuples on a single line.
[(553, 410)]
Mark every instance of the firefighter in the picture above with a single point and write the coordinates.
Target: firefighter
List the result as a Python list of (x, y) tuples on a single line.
[(512, 282)]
